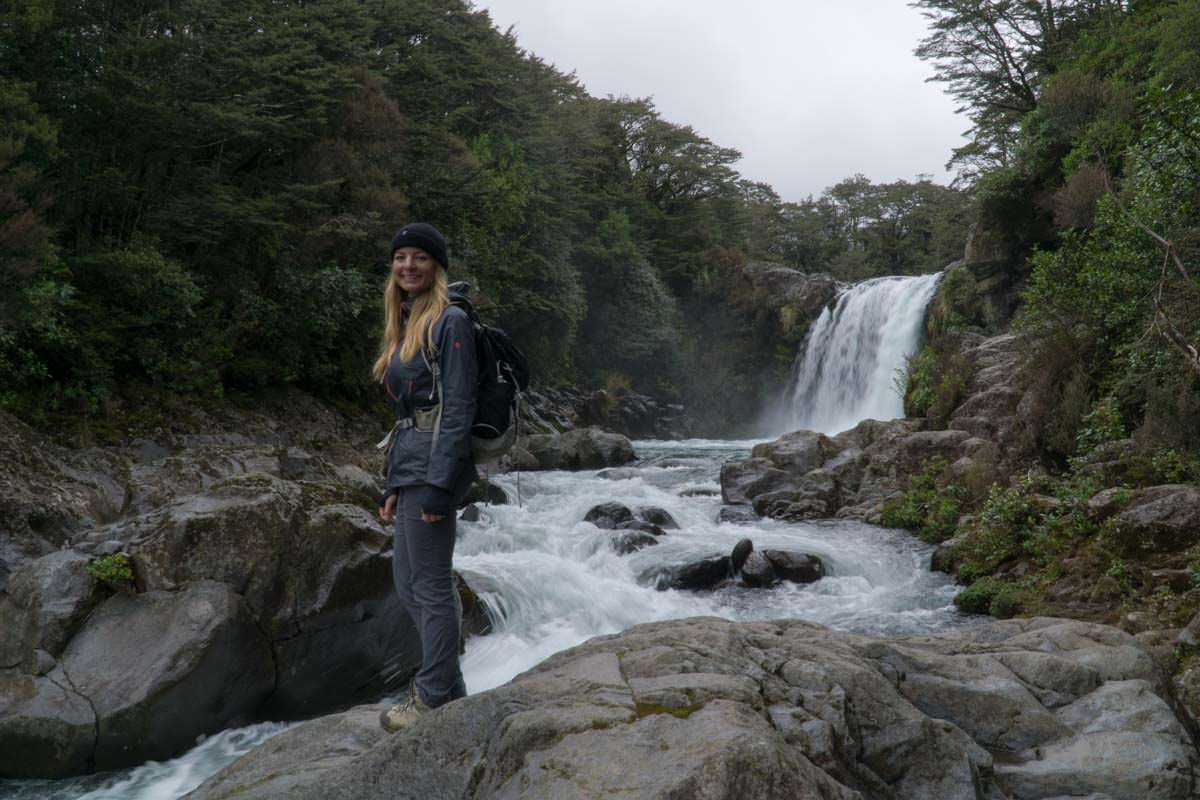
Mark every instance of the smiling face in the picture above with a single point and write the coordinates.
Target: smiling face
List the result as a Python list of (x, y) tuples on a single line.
[(414, 270)]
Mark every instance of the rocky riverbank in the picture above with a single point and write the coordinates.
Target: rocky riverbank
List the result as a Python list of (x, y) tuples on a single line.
[(207, 572), (1035, 708)]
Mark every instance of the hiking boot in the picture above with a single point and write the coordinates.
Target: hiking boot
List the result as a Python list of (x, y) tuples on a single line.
[(400, 716)]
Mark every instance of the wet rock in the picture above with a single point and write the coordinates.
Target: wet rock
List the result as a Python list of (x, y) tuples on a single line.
[(659, 516), (581, 448), (945, 556), (795, 567), (630, 541), (756, 710), (704, 574), (158, 669), (470, 513), (737, 515), (741, 551), (798, 452), (608, 515), (741, 481), (640, 525), (699, 492), (484, 491), (758, 571), (287, 763), (476, 621), (47, 730)]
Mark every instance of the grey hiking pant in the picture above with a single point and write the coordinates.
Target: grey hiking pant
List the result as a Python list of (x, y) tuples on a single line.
[(421, 562)]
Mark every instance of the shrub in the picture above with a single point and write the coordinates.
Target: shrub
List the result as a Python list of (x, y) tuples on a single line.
[(929, 510), (114, 570), (933, 382), (977, 598)]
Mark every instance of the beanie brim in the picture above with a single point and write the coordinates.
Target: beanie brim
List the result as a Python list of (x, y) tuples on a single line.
[(425, 237)]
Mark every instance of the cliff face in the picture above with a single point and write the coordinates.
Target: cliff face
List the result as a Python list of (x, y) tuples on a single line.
[(744, 344)]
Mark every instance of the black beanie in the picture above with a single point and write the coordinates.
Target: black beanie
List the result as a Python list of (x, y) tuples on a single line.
[(424, 236)]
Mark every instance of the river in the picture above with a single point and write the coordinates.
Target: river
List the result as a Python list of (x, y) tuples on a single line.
[(553, 581)]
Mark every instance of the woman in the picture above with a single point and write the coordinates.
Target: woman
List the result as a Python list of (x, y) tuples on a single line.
[(427, 365)]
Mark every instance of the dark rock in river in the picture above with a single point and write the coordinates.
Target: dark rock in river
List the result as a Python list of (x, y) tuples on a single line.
[(795, 567), (758, 571), (627, 542), (659, 516), (738, 515), (484, 491), (741, 551), (640, 525), (608, 515), (770, 711), (704, 574)]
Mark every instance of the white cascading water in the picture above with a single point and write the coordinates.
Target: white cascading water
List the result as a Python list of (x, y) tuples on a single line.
[(846, 369)]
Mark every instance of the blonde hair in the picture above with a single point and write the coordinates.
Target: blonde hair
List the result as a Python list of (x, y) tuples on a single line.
[(415, 332)]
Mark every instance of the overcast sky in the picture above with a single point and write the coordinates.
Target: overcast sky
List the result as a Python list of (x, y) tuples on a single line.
[(810, 91)]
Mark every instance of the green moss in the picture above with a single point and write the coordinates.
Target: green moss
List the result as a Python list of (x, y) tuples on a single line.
[(647, 709)]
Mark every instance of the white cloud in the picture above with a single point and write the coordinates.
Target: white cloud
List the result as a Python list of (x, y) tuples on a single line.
[(810, 92)]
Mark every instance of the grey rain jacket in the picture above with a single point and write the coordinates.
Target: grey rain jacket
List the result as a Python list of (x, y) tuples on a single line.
[(410, 385)]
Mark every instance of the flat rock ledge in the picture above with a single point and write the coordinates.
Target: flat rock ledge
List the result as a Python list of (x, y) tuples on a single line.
[(707, 708)]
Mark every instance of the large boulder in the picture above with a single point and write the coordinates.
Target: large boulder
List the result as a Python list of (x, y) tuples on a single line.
[(798, 452), (1161, 519), (47, 601), (742, 481), (581, 448), (1033, 708), (147, 675), (315, 572)]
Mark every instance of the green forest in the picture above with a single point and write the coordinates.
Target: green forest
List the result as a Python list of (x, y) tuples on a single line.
[(1085, 160), (196, 199)]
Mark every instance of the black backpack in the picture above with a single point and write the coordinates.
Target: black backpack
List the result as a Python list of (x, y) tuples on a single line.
[(503, 375)]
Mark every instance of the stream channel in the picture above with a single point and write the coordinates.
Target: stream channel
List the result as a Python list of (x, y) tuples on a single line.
[(552, 580)]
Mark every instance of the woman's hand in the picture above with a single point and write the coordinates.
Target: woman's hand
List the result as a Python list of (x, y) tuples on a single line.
[(387, 511), (434, 502)]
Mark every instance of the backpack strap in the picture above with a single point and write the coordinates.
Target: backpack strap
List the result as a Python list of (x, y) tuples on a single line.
[(435, 368)]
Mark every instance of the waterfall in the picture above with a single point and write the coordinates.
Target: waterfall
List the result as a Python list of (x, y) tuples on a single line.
[(846, 369)]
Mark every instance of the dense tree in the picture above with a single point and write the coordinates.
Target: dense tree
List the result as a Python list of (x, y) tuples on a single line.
[(197, 196)]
